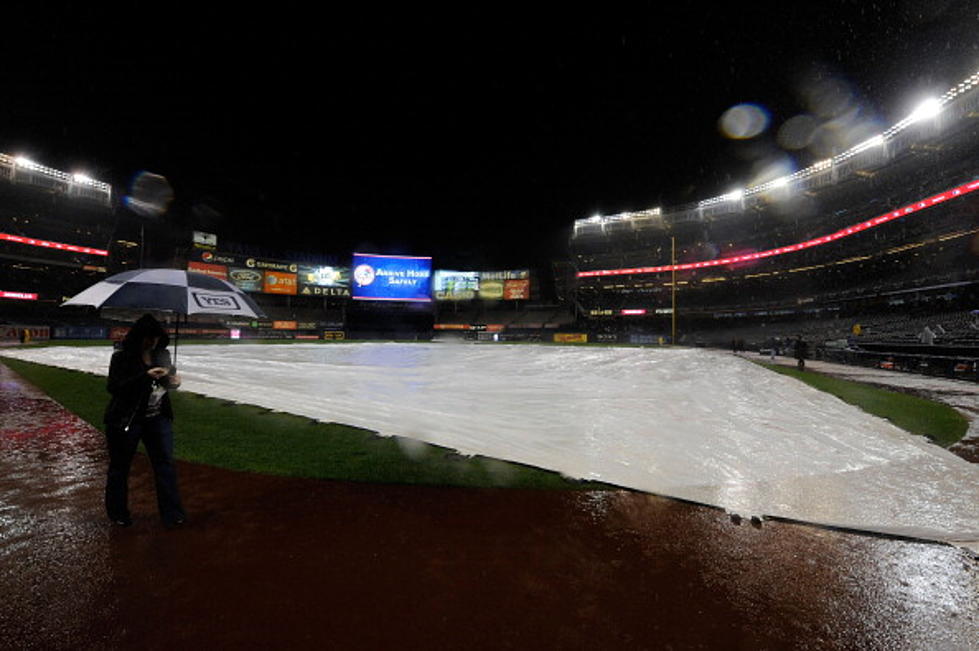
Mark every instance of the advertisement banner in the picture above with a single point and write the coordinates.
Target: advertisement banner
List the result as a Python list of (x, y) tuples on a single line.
[(20, 296), (233, 260), (285, 325), (247, 280), (490, 290), (80, 332), (333, 335), (214, 270), (279, 283), (510, 274), (516, 290), (455, 285), (570, 338), (392, 278), (213, 257), (312, 290), (324, 281), (24, 333), (324, 276), (271, 265)]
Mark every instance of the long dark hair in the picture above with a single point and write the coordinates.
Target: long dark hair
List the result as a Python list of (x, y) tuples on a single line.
[(145, 326)]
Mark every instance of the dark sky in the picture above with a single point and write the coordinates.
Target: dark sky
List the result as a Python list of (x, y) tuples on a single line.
[(477, 135)]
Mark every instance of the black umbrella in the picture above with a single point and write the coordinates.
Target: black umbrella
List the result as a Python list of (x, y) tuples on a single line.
[(169, 290)]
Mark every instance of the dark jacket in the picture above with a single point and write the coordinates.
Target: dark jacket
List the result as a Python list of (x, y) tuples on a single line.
[(801, 349), (128, 383)]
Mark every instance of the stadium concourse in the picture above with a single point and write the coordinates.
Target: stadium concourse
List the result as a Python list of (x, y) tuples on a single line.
[(284, 562)]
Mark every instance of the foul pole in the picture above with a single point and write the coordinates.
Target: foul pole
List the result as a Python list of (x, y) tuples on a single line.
[(673, 286)]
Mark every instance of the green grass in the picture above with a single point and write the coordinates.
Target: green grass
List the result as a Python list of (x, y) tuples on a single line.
[(940, 423), (244, 437)]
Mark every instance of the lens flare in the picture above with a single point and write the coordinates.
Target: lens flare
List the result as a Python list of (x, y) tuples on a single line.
[(743, 121), (149, 195)]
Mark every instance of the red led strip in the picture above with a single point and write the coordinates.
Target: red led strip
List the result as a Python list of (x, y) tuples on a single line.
[(844, 232), (24, 296), (51, 245)]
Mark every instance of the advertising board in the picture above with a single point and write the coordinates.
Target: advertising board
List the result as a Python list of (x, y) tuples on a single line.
[(509, 274), (214, 257), (324, 280), (25, 333), (324, 276), (516, 290), (490, 290), (570, 338), (391, 278), (455, 285), (277, 282), (214, 270), (20, 296), (247, 280), (284, 325), (80, 332)]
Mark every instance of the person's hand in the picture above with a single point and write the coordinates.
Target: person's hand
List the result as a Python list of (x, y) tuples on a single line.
[(174, 381), (157, 372)]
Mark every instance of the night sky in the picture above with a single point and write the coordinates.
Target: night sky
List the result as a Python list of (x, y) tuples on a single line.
[(477, 135)]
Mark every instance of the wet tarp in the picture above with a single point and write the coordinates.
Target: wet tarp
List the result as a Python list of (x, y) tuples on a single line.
[(687, 423)]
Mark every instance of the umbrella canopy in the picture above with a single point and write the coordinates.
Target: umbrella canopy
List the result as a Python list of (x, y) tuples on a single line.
[(173, 290)]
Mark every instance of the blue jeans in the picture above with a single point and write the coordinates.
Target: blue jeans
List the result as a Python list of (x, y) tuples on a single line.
[(157, 436)]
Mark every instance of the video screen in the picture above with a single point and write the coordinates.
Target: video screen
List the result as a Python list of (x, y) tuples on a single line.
[(455, 285), (324, 276), (391, 278)]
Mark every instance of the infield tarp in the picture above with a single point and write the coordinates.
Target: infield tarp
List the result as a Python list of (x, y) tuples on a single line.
[(688, 423)]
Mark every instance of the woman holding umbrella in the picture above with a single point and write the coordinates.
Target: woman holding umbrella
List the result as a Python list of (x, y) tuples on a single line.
[(140, 374)]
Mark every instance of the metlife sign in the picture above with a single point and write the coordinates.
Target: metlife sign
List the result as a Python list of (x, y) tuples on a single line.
[(391, 278)]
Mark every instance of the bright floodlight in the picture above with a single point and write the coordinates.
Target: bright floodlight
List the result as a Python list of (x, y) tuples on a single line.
[(780, 182), (25, 162), (596, 218), (734, 195), (927, 109), (81, 178)]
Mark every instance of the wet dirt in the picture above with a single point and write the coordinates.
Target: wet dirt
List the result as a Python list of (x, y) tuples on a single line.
[(287, 562)]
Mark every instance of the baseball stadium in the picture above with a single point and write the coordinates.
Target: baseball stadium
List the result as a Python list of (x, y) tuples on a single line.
[(746, 421)]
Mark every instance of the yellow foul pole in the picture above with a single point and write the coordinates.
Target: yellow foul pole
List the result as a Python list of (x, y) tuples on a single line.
[(673, 286)]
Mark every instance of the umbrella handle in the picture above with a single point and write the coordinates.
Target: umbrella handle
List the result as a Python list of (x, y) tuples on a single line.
[(176, 342)]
